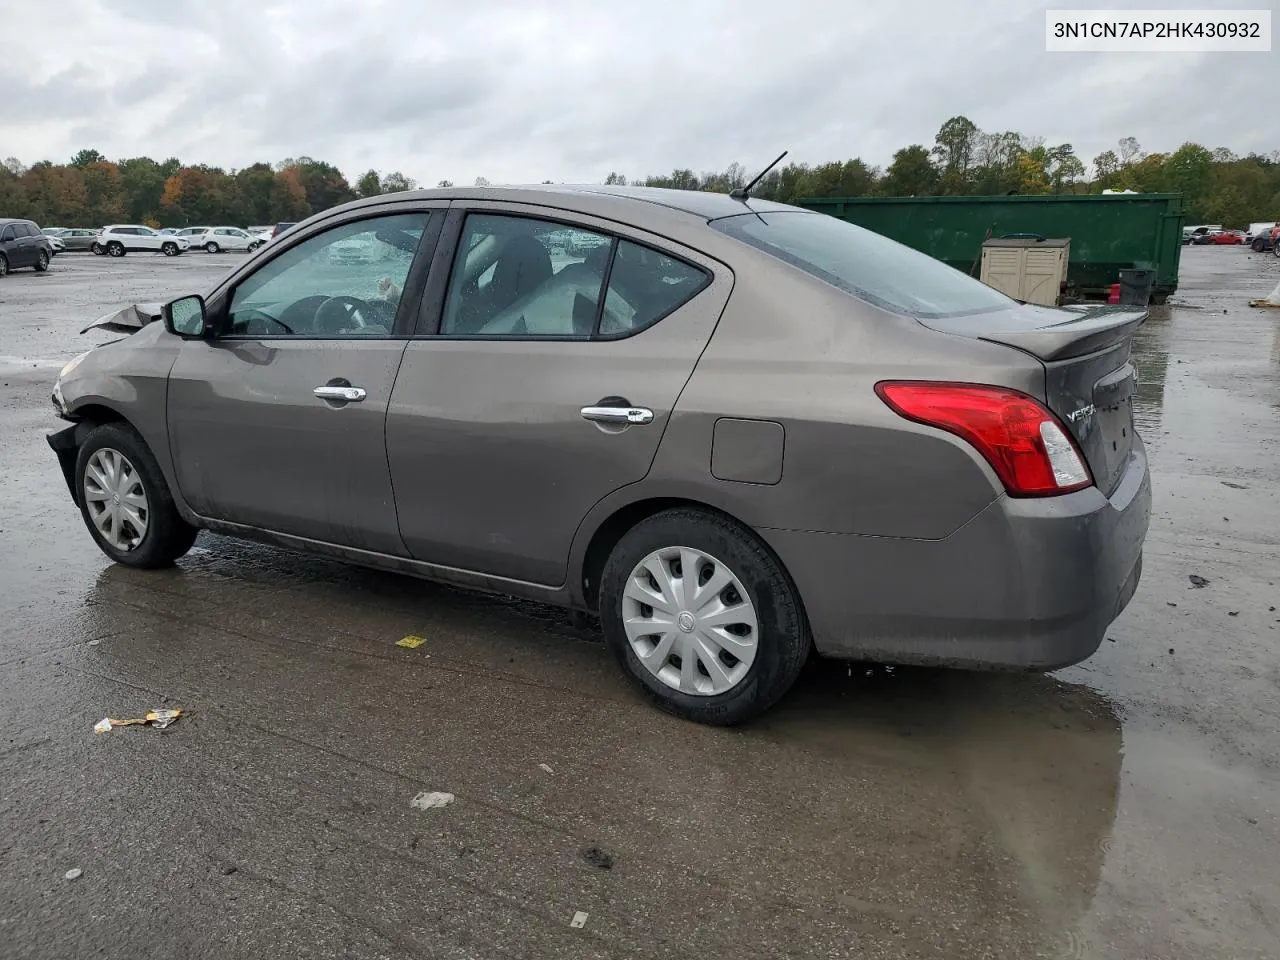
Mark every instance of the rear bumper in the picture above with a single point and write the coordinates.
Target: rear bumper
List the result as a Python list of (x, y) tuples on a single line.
[(1026, 584)]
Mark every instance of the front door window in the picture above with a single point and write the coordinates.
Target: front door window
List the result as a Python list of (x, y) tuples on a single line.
[(344, 282)]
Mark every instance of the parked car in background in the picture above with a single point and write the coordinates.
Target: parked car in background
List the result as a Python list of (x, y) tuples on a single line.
[(77, 239), (281, 228), (121, 238), (917, 468), (22, 245), (190, 233), (218, 239), (56, 244), (260, 229), (1226, 237), (1192, 234), (1258, 236), (1203, 239), (1275, 241)]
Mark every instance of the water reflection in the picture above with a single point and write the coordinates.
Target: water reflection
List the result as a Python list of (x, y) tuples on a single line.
[(1151, 358)]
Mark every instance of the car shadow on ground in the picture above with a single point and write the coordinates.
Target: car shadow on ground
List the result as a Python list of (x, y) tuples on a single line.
[(946, 765)]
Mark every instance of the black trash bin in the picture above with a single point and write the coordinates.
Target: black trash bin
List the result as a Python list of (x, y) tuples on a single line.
[(1135, 286)]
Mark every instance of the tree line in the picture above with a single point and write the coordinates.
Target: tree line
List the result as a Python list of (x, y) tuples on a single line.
[(90, 190), (1217, 185)]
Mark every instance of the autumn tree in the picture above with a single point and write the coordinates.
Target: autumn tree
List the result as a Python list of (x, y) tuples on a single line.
[(1105, 166), (84, 158), (912, 174), (954, 147), (397, 182), (369, 184)]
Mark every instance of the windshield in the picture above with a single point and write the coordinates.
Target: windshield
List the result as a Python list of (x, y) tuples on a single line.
[(865, 264)]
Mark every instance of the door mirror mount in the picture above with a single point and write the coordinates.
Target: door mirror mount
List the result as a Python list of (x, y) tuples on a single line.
[(185, 317)]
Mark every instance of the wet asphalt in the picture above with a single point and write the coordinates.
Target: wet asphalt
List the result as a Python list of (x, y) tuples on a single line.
[(1127, 807)]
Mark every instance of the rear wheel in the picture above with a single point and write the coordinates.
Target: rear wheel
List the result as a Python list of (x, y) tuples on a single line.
[(702, 616), (115, 248), (42, 261), (4, 265), (169, 249), (212, 247), (125, 501), (96, 249)]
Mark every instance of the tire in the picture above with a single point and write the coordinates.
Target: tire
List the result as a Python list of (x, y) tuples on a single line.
[(1276, 248), (212, 247), (115, 249), (96, 249), (752, 683), (254, 246), (42, 261), (4, 265), (166, 536), (169, 249)]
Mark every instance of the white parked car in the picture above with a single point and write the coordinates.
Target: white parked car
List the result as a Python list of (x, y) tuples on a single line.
[(218, 239), (190, 233), (121, 238)]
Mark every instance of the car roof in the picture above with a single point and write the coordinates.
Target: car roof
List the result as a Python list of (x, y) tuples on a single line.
[(644, 206)]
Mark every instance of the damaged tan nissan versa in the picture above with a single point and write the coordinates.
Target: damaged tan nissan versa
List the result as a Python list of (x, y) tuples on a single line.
[(736, 430)]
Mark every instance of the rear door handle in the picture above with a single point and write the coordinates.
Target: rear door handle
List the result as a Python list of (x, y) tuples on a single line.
[(618, 415), (341, 394)]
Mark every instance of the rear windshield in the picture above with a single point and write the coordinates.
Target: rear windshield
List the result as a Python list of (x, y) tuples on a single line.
[(865, 264)]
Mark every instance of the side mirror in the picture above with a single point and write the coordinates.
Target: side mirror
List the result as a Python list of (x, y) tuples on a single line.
[(185, 316)]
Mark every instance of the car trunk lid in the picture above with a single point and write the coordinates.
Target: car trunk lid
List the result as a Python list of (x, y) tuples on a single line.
[(1089, 379)]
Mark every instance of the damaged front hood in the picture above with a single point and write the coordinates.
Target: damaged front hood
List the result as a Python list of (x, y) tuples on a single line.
[(129, 319)]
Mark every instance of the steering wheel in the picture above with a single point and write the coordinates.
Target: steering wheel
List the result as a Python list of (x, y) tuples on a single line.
[(343, 313)]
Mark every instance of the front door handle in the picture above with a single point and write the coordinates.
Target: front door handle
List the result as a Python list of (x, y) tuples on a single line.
[(341, 394), (620, 416)]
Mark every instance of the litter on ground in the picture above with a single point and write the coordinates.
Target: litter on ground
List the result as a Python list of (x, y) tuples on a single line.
[(545, 767), (73, 874), (411, 642), (156, 718), (428, 801), (579, 920)]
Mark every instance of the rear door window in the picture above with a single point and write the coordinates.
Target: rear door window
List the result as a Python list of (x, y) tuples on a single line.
[(644, 286), (871, 267)]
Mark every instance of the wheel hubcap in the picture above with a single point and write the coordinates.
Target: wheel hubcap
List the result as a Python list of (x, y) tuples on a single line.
[(116, 499), (689, 621)]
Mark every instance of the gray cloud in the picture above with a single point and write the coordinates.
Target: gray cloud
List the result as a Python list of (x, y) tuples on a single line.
[(521, 90)]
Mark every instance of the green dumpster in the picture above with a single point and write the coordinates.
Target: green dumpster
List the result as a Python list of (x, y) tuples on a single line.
[(1109, 232)]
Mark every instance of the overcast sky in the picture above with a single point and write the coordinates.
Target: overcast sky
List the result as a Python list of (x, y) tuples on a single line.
[(527, 90)]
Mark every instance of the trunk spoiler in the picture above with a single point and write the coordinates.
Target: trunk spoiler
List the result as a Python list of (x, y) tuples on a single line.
[(130, 319), (1090, 329), (1049, 333)]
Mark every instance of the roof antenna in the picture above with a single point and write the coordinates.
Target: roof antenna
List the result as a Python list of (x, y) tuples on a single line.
[(741, 193)]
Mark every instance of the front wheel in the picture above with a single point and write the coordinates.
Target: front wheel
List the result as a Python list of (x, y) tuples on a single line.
[(702, 616), (1276, 248), (125, 501), (115, 248), (212, 247), (42, 261), (169, 249), (4, 265)]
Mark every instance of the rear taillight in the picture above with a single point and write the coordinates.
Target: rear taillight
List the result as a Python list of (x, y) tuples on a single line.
[(1026, 445)]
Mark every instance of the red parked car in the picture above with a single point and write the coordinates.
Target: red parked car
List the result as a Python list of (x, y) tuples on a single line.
[(1227, 237)]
